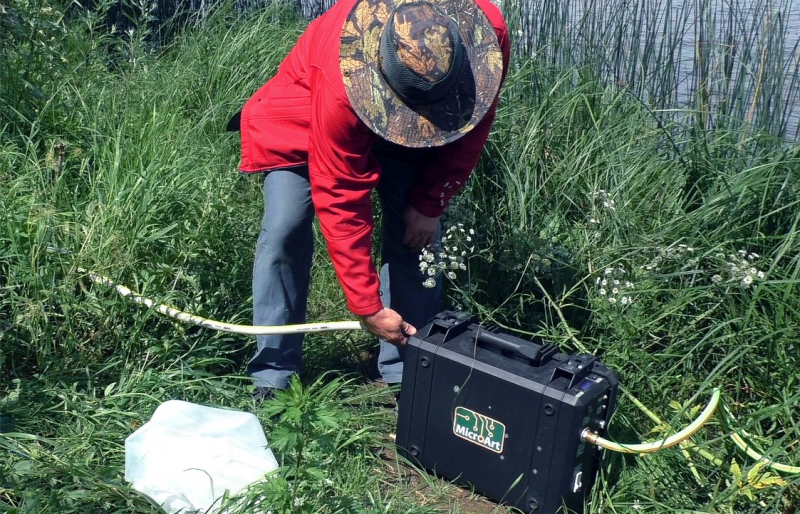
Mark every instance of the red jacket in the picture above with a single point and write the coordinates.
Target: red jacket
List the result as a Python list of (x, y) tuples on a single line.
[(303, 116)]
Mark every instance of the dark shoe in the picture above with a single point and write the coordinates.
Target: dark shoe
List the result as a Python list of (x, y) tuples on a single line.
[(395, 388), (262, 394)]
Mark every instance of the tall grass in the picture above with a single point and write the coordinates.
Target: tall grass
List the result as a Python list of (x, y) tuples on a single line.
[(607, 163)]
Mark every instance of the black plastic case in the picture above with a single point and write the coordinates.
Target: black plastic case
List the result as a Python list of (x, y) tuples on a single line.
[(502, 414)]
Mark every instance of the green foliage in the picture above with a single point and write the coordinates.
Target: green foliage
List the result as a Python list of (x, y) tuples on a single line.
[(666, 241), (312, 433), (32, 36)]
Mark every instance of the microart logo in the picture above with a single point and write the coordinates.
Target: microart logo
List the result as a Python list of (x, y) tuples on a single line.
[(479, 429)]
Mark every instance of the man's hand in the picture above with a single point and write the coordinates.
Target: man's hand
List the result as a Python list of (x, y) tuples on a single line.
[(389, 325), (420, 230)]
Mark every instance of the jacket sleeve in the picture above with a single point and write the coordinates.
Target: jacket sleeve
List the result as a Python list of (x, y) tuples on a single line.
[(343, 174), (453, 163)]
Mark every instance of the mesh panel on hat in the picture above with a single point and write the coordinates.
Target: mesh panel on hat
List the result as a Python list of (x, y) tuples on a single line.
[(421, 55)]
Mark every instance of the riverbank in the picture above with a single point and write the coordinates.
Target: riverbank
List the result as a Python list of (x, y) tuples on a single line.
[(667, 247)]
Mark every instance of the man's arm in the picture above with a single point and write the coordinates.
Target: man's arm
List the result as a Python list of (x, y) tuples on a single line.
[(343, 174)]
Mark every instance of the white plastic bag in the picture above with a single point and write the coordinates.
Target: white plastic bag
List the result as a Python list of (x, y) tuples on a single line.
[(188, 455)]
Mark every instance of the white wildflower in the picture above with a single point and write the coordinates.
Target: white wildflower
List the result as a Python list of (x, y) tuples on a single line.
[(611, 299), (716, 279), (602, 292), (747, 280), (451, 275), (429, 283), (760, 274)]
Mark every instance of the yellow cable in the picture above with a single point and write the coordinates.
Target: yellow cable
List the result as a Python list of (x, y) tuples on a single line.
[(753, 454), (219, 325), (588, 436), (686, 433), (776, 466)]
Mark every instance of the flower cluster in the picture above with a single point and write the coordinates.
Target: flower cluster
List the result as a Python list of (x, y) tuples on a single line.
[(463, 296), (545, 258), (604, 197), (448, 255), (601, 209), (615, 286), (672, 254), (739, 267), (601, 198)]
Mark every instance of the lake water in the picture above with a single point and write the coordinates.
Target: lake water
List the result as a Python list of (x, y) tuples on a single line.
[(748, 11), (722, 41)]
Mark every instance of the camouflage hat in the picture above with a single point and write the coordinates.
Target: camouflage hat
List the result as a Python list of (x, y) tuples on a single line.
[(420, 73)]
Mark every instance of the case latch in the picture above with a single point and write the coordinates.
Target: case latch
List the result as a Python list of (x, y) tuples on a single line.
[(575, 369), (447, 325)]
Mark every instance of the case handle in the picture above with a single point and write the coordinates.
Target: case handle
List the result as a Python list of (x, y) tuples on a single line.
[(536, 353)]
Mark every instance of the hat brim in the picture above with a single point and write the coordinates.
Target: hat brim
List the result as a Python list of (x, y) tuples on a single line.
[(379, 107)]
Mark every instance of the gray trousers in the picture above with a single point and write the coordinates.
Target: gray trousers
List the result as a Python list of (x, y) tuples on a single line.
[(282, 270)]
